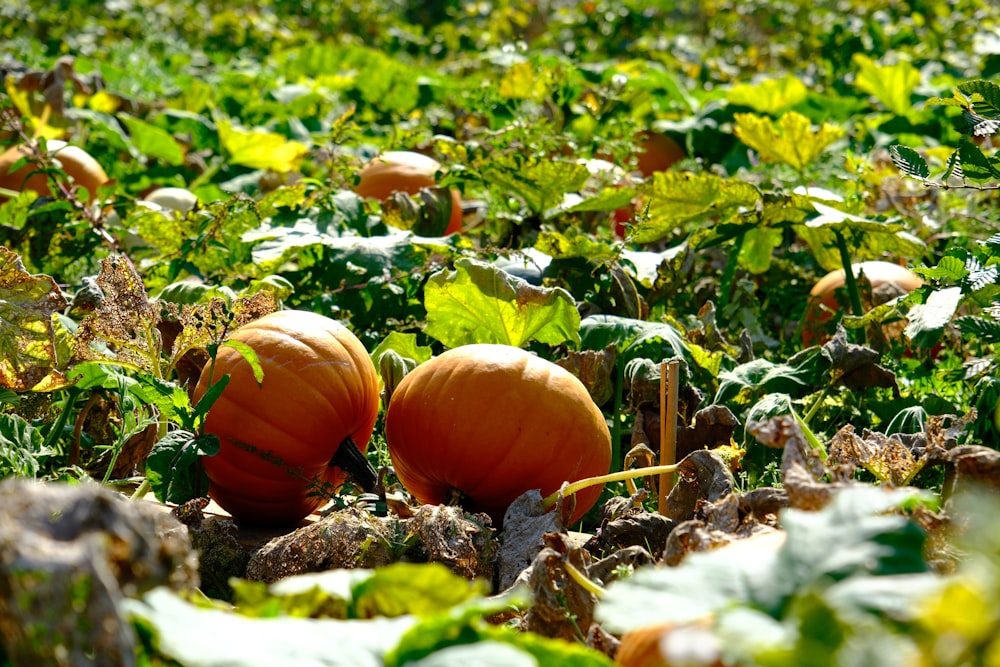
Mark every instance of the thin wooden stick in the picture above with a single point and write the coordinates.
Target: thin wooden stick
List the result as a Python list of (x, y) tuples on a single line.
[(668, 427)]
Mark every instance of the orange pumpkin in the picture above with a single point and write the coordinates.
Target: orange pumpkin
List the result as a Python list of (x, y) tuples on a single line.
[(658, 153), (278, 438), (83, 170), (888, 280), (491, 422), (409, 172)]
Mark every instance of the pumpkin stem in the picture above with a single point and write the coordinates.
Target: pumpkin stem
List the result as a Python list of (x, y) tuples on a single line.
[(351, 460), (568, 489)]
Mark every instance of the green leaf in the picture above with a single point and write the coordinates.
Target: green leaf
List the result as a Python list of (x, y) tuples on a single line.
[(803, 374), (866, 238), (174, 469), (792, 140), (479, 303), (634, 338), (758, 248), (404, 344), (928, 320), (399, 589), (259, 149), (892, 85), (574, 243), (22, 448), (976, 165), (771, 96), (208, 637), (153, 141), (988, 93), (678, 197), (909, 161), (414, 589), (27, 343), (540, 184), (249, 355)]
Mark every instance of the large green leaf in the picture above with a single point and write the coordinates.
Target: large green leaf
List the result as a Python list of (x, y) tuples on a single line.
[(153, 141), (803, 374), (541, 184), (479, 303), (678, 197)]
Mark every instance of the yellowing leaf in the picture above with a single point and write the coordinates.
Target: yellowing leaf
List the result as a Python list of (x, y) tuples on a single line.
[(520, 82), (104, 101), (27, 337), (39, 122), (770, 97), (258, 149), (892, 85), (792, 140)]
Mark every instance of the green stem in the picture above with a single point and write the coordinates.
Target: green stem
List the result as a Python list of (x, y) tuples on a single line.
[(72, 393), (141, 490), (729, 273), (849, 280), (815, 406), (573, 487)]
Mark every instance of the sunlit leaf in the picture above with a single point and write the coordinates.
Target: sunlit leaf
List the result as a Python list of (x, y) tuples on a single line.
[(479, 303), (258, 149), (771, 96), (866, 238), (27, 303), (677, 197), (541, 184), (928, 320), (791, 140), (573, 243), (209, 637), (892, 85)]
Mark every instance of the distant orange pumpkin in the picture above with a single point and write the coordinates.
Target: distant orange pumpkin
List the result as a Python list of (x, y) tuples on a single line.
[(409, 172)]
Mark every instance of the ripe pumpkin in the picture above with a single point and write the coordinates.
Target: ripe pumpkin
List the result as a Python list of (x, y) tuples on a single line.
[(491, 422), (409, 172), (659, 153), (888, 281), (319, 389), (78, 164)]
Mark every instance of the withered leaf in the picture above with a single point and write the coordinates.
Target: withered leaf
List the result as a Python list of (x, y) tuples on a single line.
[(27, 304)]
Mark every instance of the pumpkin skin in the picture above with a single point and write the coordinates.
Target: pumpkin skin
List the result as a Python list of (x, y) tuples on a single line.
[(319, 388), (77, 163), (491, 422), (409, 172), (888, 279)]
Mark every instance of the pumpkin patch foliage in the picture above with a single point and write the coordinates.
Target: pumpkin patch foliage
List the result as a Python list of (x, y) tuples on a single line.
[(516, 332)]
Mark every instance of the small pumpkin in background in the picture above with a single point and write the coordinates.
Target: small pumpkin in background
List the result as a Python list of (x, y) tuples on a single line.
[(83, 170), (279, 439), (489, 422), (409, 172), (888, 281)]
